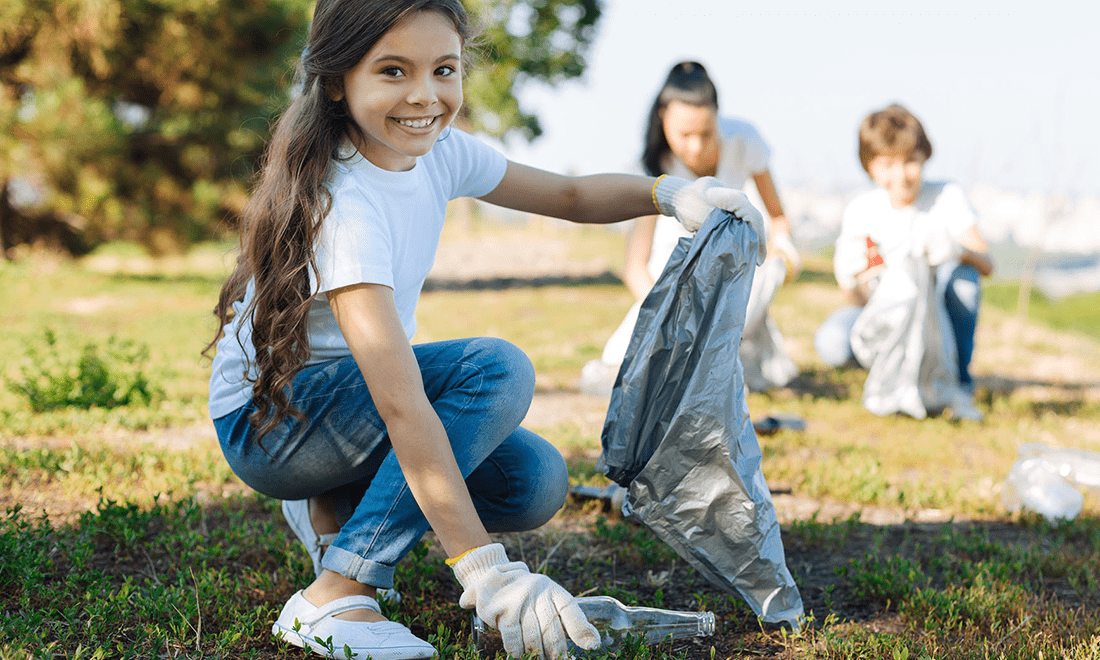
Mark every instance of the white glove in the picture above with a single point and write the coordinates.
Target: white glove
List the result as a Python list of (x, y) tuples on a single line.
[(531, 611), (789, 253), (691, 203), (939, 247)]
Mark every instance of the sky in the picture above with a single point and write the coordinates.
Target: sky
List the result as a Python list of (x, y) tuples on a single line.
[(1008, 91)]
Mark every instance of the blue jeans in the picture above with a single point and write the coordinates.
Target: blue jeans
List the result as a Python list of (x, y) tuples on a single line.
[(481, 389), (962, 298)]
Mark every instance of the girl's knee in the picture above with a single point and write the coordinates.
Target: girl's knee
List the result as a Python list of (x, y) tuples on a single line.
[(522, 485), (548, 496), (507, 363)]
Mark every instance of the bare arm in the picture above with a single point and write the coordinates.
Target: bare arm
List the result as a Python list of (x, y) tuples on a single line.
[(770, 196), (369, 322), (976, 253), (593, 199), (639, 246), (857, 296)]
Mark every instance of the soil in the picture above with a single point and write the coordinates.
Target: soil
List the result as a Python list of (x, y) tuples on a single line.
[(570, 548)]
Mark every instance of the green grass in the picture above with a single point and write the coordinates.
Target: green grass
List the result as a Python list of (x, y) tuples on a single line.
[(193, 579), (894, 528), (1075, 313), (168, 312)]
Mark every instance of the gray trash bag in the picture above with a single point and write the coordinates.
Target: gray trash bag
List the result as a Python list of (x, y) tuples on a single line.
[(678, 433), (764, 360), (903, 337)]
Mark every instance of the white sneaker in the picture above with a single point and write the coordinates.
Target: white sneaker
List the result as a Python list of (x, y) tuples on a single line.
[(963, 409), (316, 628), (296, 513)]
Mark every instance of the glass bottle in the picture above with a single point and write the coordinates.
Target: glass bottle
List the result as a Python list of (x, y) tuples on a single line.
[(616, 621)]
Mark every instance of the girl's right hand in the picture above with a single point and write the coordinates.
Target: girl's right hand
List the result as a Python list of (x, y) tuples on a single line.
[(691, 203), (532, 612)]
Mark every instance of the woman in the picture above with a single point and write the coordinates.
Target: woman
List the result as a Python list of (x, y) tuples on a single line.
[(686, 137)]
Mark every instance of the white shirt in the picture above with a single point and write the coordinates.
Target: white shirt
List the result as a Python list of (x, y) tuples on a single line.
[(742, 154), (940, 209), (383, 228)]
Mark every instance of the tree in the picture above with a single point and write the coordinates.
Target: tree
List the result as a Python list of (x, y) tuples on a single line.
[(144, 119), (135, 119), (524, 42)]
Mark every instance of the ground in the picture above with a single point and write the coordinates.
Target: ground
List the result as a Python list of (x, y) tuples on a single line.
[(1016, 364)]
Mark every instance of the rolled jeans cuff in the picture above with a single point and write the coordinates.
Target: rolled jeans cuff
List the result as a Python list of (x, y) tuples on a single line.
[(356, 568)]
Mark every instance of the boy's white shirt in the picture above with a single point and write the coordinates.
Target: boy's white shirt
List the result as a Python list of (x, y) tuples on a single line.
[(383, 228), (933, 225)]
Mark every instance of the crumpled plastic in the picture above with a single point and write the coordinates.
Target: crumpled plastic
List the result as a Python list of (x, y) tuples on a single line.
[(1043, 479), (764, 360), (903, 338), (678, 433)]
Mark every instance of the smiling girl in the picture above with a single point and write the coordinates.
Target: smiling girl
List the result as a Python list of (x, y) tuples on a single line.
[(318, 395)]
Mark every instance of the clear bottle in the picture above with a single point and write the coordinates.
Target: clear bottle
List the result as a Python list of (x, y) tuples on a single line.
[(616, 621)]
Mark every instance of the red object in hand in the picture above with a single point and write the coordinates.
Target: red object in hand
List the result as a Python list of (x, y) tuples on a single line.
[(873, 257)]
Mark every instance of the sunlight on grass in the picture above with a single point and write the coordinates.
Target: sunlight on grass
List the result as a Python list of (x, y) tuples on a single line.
[(150, 533), (1076, 313)]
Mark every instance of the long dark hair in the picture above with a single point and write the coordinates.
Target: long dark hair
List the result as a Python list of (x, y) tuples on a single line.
[(688, 83), (281, 221)]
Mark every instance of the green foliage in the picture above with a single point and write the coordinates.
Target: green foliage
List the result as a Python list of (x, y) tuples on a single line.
[(141, 582), (1077, 313), (827, 536), (637, 543), (57, 374), (140, 118), (525, 42), (144, 119), (887, 581)]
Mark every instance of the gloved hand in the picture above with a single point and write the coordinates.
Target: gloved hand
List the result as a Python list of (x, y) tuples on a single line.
[(939, 247), (531, 611), (691, 203), (782, 242)]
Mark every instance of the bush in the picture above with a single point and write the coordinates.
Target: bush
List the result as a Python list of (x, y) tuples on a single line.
[(58, 374)]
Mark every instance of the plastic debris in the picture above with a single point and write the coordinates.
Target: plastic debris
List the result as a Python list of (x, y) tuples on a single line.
[(1046, 480)]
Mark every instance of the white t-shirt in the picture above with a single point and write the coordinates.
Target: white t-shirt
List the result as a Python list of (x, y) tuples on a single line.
[(742, 154), (941, 208), (383, 228)]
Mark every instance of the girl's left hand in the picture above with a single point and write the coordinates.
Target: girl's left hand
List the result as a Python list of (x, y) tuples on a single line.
[(692, 202)]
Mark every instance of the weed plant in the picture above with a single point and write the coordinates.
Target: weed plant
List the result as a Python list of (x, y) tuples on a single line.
[(59, 374)]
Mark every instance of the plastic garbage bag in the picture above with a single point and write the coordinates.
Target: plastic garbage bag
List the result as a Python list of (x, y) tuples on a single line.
[(1043, 480), (903, 337), (678, 433), (764, 359)]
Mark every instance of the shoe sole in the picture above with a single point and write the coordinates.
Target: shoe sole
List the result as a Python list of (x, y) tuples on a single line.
[(294, 638)]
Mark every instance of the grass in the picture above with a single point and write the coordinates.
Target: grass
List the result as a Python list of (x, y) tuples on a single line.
[(1074, 313), (124, 535)]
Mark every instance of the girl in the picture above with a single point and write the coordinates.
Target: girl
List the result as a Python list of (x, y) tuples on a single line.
[(317, 394), (685, 136)]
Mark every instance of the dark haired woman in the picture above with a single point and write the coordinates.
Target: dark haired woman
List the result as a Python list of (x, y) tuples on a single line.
[(686, 137)]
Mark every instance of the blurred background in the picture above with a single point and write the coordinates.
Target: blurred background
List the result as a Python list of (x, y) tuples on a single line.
[(142, 120), (1006, 90)]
